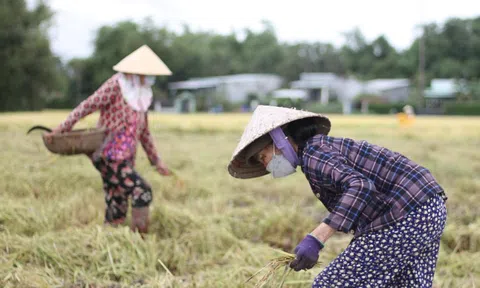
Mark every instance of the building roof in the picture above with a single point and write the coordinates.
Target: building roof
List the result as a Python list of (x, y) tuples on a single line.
[(330, 80), (211, 82), (443, 88), (315, 81), (378, 85), (196, 83), (317, 76), (290, 93)]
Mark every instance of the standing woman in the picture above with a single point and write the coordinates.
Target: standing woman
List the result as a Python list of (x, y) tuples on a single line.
[(394, 208), (123, 102)]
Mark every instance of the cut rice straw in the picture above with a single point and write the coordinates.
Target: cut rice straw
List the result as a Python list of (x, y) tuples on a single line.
[(165, 267), (272, 267), (179, 181)]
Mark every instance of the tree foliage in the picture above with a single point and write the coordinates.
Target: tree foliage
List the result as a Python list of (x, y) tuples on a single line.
[(32, 75), (30, 72)]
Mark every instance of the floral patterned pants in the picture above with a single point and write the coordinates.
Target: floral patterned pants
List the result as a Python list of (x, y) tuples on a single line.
[(121, 181), (403, 255)]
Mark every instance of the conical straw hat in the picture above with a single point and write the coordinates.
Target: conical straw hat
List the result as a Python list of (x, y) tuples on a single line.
[(142, 61), (264, 119)]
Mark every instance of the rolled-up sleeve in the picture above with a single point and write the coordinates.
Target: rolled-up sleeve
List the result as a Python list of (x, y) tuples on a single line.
[(329, 168)]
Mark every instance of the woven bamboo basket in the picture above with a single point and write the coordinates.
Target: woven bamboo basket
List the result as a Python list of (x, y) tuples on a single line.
[(81, 141)]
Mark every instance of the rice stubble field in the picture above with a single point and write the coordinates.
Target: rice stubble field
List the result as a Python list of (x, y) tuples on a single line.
[(207, 228)]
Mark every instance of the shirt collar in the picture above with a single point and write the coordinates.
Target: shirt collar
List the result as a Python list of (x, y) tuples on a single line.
[(305, 147)]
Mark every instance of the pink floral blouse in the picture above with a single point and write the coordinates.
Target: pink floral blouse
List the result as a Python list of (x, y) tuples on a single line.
[(125, 126)]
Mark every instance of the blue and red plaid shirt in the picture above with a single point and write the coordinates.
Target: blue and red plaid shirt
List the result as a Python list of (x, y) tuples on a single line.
[(364, 187)]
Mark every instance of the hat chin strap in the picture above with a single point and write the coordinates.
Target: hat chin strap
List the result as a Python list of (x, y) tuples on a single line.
[(281, 142)]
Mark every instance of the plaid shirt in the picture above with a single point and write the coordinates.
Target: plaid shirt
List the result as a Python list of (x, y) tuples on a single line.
[(364, 187)]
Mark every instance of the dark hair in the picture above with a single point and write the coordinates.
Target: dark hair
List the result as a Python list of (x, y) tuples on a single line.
[(303, 129)]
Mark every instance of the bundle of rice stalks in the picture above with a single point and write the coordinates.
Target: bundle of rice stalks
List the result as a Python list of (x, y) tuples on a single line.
[(272, 270)]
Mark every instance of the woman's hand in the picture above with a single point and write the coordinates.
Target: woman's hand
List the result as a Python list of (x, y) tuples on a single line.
[(306, 253), (162, 169), (307, 250), (49, 135)]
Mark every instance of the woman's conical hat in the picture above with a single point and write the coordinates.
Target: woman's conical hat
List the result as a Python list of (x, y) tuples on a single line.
[(264, 119), (142, 61)]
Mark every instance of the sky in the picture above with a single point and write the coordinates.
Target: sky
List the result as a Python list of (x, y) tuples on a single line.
[(76, 21)]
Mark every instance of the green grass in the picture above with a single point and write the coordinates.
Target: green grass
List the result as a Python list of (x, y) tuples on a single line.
[(210, 230)]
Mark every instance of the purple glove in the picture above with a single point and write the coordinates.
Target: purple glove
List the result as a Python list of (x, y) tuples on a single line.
[(306, 253)]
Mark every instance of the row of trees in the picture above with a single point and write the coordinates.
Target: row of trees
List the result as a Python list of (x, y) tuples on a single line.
[(33, 76), (30, 72)]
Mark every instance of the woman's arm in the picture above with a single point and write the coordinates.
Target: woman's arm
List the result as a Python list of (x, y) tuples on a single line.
[(148, 143), (323, 232), (328, 167), (103, 96)]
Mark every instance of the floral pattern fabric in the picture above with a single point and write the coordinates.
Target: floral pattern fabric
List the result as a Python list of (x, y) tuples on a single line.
[(125, 126), (121, 181), (402, 255)]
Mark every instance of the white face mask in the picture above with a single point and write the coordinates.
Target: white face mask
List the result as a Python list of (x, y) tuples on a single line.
[(149, 80), (279, 166), (138, 96)]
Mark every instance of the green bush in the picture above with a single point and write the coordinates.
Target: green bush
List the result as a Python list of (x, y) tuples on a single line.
[(472, 108)]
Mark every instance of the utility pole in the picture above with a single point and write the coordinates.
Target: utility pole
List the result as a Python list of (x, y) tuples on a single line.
[(421, 70)]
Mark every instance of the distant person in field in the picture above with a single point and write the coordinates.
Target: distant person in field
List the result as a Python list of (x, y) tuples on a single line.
[(123, 102), (394, 208)]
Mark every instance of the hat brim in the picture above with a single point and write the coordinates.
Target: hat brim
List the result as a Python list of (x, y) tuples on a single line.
[(255, 147), (142, 71), (240, 167)]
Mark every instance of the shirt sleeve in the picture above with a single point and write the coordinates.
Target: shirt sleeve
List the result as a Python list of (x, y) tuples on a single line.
[(329, 168), (148, 144), (104, 96)]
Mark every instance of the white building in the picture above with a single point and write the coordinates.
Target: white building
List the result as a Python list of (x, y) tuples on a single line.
[(324, 87), (319, 86), (391, 90), (442, 91), (290, 94), (235, 88)]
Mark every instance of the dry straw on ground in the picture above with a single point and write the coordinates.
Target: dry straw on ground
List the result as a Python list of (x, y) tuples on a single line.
[(208, 230)]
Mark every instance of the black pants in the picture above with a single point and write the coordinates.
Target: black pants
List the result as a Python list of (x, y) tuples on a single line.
[(120, 181)]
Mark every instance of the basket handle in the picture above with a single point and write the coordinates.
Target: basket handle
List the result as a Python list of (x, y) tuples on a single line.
[(39, 127)]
